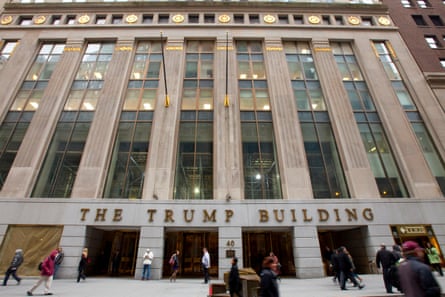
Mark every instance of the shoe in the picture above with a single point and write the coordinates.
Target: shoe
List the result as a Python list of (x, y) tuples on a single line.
[(361, 287), (18, 282), (344, 289), (49, 293), (29, 293)]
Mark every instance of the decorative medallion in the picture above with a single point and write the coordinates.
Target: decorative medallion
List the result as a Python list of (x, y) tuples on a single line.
[(353, 20), (131, 18), (270, 19), (6, 20), (224, 18), (384, 21), (313, 19), (40, 19), (178, 18), (84, 19)]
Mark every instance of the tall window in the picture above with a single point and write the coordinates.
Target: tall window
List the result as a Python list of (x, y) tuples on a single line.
[(325, 168), (26, 102), (194, 163), (7, 50), (430, 152), (261, 171), (432, 41), (380, 156), (128, 162), (59, 169)]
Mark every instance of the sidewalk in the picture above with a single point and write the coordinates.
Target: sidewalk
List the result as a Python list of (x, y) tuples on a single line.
[(126, 287)]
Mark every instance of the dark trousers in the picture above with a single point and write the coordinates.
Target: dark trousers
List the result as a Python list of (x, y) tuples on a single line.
[(387, 279), (12, 272), (344, 275), (81, 275), (206, 274)]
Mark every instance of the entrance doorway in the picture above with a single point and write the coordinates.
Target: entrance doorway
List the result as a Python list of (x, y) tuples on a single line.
[(113, 252), (258, 244), (190, 245), (353, 239)]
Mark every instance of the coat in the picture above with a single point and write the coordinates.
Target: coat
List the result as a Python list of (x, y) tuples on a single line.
[(268, 285), (416, 279), (234, 280), (17, 260), (48, 264)]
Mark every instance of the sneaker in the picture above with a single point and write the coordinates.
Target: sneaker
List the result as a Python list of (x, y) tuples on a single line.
[(361, 287), (29, 293), (49, 293)]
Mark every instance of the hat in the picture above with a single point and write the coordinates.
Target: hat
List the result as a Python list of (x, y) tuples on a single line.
[(410, 246)]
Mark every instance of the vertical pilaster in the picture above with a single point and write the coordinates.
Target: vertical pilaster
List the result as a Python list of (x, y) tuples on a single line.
[(416, 173), (294, 172), (151, 238), (32, 151), (73, 240), (230, 238), (91, 175), (308, 263), (359, 176), (227, 139), (163, 146)]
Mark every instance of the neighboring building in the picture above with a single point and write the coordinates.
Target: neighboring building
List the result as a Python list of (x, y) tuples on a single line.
[(422, 25), (245, 127)]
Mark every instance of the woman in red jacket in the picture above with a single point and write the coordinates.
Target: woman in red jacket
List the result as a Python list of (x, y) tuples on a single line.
[(46, 274)]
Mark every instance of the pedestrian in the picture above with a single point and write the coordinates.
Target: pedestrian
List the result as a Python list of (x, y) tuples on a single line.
[(354, 271), (46, 274), (276, 265), (205, 261), (416, 278), (174, 263), (17, 260), (235, 285), (346, 269), (335, 266), (148, 259), (384, 260), (115, 263), (58, 261), (327, 256), (397, 252), (84, 260), (433, 258), (268, 283)]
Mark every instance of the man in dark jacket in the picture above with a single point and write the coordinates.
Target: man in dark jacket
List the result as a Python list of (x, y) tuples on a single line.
[(269, 284), (17, 260), (234, 280), (385, 259), (416, 278), (346, 269)]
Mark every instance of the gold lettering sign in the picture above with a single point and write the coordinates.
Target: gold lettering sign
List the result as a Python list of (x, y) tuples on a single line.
[(322, 49), (223, 48), (124, 48), (274, 48), (174, 48), (71, 49)]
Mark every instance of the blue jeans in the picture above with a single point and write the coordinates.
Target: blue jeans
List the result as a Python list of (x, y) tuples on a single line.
[(146, 271)]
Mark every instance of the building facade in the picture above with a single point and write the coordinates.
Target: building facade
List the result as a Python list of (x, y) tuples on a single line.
[(243, 127), (421, 25)]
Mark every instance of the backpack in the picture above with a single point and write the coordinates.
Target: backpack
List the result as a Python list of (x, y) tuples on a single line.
[(39, 267)]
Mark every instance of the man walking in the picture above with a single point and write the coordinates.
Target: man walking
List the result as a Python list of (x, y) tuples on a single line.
[(385, 259), (205, 261), (346, 269), (12, 269)]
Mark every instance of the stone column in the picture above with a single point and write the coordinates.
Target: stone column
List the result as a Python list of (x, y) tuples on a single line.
[(91, 175), (151, 238), (360, 178), (227, 151), (294, 172), (307, 258), (33, 149), (230, 238), (160, 171), (73, 240)]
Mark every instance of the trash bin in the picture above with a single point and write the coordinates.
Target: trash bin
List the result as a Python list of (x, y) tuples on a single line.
[(250, 282)]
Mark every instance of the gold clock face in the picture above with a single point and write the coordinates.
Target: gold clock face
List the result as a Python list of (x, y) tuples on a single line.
[(131, 18), (179, 18), (224, 18), (384, 21), (6, 20), (40, 20), (84, 19), (269, 19), (313, 19), (354, 20)]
